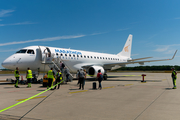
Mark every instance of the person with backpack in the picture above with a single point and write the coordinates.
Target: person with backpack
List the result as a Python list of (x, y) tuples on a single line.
[(100, 78), (81, 78)]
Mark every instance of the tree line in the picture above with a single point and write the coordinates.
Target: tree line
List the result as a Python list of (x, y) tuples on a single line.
[(150, 68)]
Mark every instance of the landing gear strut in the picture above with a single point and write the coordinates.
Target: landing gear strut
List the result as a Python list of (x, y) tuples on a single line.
[(105, 76)]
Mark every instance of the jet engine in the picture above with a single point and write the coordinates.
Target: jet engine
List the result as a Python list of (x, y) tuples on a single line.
[(93, 70)]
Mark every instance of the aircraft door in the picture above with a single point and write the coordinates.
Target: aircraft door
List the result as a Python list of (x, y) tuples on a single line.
[(45, 54)]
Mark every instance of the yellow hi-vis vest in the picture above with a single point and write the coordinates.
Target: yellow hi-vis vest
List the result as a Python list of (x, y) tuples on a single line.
[(16, 75), (50, 74), (29, 75), (59, 75), (174, 74)]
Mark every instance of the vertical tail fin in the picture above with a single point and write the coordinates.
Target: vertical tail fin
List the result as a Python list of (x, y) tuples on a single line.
[(126, 51)]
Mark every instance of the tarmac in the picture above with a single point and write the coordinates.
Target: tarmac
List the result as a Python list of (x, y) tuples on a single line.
[(123, 97)]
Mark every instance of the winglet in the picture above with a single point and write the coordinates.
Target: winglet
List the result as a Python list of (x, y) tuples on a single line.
[(174, 54)]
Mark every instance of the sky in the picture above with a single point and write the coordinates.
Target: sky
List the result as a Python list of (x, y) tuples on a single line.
[(92, 25)]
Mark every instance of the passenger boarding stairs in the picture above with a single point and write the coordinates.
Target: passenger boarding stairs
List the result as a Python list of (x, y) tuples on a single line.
[(54, 63)]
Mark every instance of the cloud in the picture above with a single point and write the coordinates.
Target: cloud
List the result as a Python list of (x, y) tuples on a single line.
[(5, 13), (9, 50), (22, 23), (152, 36), (98, 33), (162, 48), (177, 18), (44, 39), (167, 49)]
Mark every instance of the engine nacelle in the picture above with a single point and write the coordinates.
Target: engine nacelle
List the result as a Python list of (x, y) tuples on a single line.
[(93, 70)]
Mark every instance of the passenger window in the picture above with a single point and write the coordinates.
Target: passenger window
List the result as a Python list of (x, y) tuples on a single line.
[(61, 54), (91, 57), (65, 54), (73, 55), (94, 57), (30, 52), (84, 56), (87, 56), (77, 55), (69, 55), (97, 57)]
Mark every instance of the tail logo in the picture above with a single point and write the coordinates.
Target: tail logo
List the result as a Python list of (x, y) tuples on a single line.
[(126, 48)]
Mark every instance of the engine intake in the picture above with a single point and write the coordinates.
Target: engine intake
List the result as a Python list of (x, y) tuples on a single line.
[(93, 70)]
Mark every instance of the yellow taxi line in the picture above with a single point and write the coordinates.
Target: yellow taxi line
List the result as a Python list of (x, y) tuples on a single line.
[(32, 98), (108, 87)]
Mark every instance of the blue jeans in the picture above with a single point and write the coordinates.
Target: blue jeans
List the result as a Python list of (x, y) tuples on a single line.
[(100, 86)]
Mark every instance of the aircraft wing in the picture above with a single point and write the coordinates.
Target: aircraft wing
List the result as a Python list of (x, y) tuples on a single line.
[(140, 59), (140, 62)]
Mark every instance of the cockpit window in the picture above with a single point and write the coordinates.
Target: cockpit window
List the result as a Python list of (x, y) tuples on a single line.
[(22, 51), (30, 52)]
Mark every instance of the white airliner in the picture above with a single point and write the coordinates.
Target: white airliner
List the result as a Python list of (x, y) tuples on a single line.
[(42, 58)]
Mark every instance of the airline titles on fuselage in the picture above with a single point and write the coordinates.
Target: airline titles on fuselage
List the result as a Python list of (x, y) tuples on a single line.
[(79, 54)]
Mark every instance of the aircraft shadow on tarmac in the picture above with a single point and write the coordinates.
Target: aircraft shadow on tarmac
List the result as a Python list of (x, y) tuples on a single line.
[(93, 79)]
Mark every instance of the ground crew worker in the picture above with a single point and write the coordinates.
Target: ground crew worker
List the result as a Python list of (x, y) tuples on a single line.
[(50, 78), (17, 75), (29, 77), (174, 77), (58, 79)]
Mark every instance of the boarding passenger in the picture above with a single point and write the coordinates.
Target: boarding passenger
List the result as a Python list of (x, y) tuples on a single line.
[(66, 73), (100, 78), (62, 66), (81, 79), (77, 75), (17, 75), (174, 77), (58, 79), (50, 79), (84, 76), (29, 77)]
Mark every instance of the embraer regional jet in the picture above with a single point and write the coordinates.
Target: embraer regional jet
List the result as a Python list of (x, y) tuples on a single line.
[(43, 58)]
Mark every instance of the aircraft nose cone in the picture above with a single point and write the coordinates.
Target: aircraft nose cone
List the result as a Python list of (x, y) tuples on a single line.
[(4, 64), (7, 64)]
